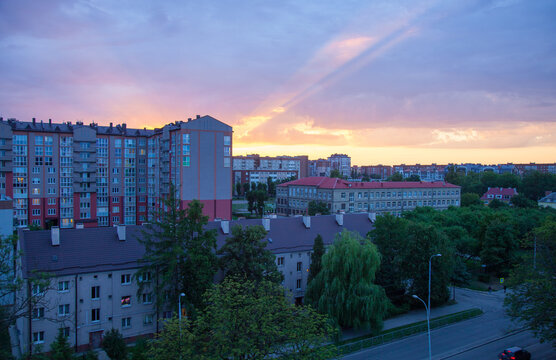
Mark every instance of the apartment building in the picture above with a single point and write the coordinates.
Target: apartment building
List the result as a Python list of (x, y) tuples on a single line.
[(319, 167), (93, 288), (340, 162), (254, 168), (292, 198), (381, 172), (65, 174), (431, 172)]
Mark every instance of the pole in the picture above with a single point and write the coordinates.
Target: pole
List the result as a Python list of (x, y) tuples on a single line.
[(429, 303), (428, 322), (535, 253)]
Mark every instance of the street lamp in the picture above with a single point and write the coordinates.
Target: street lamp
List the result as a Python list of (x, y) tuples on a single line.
[(179, 306), (428, 322), (429, 303)]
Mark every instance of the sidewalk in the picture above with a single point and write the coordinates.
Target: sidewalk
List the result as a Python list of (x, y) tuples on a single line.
[(411, 317)]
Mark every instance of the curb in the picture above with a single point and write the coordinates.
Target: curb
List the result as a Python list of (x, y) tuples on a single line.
[(459, 352)]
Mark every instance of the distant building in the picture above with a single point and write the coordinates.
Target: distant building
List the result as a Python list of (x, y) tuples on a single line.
[(292, 198), (521, 169), (548, 201), (257, 169), (319, 167), (94, 288), (502, 194), (340, 162), (381, 172), (431, 172)]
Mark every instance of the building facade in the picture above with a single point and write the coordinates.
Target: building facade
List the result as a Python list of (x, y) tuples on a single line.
[(431, 172), (292, 198), (258, 169), (342, 163), (93, 288), (502, 194), (64, 174)]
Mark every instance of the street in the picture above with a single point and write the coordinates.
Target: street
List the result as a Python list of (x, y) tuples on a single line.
[(479, 338)]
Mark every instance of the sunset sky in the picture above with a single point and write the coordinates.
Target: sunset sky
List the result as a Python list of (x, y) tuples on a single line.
[(383, 81)]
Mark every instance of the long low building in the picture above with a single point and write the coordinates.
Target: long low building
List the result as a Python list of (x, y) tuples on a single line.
[(93, 288), (292, 198)]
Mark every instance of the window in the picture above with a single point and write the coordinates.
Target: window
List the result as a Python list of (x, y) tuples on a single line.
[(148, 319), (126, 323), (299, 265), (95, 292), (147, 298), (115, 199), (38, 337), (298, 284), (118, 143), (51, 211), (186, 138), (38, 313), (226, 162), (51, 201), (186, 150), (115, 209), (63, 285), (66, 331), (36, 201), (280, 261), (63, 310), (227, 140), (186, 161), (146, 277), (37, 289), (95, 315), (126, 279), (126, 300)]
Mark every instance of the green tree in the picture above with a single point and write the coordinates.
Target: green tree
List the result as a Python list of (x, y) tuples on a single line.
[(140, 350), (245, 254), (344, 289), (522, 201), (60, 349), (534, 184), (470, 199), (114, 345), (251, 198), (176, 341), (246, 188), (498, 246), (91, 355), (316, 258), (534, 286), (396, 177), (413, 177), (238, 189), (261, 196), (496, 204), (335, 173), (271, 186), (365, 178), (317, 207), (179, 252)]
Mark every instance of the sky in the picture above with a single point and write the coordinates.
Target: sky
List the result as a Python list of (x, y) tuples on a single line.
[(386, 82)]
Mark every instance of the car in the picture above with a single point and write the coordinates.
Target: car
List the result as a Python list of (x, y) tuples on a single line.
[(514, 353)]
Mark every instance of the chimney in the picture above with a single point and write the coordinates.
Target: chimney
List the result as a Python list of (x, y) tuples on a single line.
[(121, 232), (307, 221), (372, 217), (198, 117), (55, 236), (79, 226), (225, 226), (49, 121), (266, 224), (340, 219), (34, 121), (188, 119), (111, 124)]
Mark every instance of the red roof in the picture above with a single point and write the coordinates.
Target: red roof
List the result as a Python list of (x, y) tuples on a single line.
[(499, 191), (335, 183)]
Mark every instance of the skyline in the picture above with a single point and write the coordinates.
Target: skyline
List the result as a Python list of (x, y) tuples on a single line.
[(385, 82)]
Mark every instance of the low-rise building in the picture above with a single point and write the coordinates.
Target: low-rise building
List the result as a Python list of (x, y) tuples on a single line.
[(292, 198), (93, 287), (502, 194), (256, 169), (548, 201)]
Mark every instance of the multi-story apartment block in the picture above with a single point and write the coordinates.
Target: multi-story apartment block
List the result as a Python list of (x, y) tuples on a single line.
[(374, 171), (320, 167), (340, 162), (93, 288), (339, 195), (64, 174), (431, 172), (257, 169), (521, 169)]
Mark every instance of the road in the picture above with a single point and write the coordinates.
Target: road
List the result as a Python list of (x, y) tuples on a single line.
[(479, 338)]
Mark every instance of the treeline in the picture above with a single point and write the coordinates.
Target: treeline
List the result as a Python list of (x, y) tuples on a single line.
[(532, 185)]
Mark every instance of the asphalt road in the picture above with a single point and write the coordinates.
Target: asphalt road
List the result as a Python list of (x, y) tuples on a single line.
[(479, 338)]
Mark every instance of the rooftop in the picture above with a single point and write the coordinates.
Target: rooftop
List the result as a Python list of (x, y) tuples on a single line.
[(335, 183)]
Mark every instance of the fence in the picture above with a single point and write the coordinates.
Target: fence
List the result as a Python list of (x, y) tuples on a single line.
[(408, 331)]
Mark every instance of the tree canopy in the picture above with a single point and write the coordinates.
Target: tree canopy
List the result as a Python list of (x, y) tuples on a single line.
[(317, 207), (344, 289)]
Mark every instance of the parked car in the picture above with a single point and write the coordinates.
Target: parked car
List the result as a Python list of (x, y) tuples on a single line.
[(514, 353)]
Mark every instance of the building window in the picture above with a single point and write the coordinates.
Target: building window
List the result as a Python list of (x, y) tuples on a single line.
[(37, 289), (63, 310), (51, 211), (299, 265), (186, 150), (38, 313), (145, 277), (126, 301), (226, 162), (95, 292), (51, 201), (280, 261), (66, 331), (186, 138), (126, 323), (126, 279), (186, 161), (95, 315), (147, 298), (227, 140), (298, 284), (148, 319), (38, 337), (63, 285)]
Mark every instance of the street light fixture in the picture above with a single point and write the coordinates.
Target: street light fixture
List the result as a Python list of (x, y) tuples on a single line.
[(179, 306), (428, 321)]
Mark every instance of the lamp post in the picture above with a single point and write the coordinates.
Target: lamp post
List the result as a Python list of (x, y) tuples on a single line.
[(428, 322), (179, 306), (429, 303)]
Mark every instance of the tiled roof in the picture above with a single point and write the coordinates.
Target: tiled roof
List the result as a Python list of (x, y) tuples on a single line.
[(334, 183), (499, 191), (98, 249)]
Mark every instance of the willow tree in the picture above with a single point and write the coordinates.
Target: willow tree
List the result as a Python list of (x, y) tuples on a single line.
[(344, 289)]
